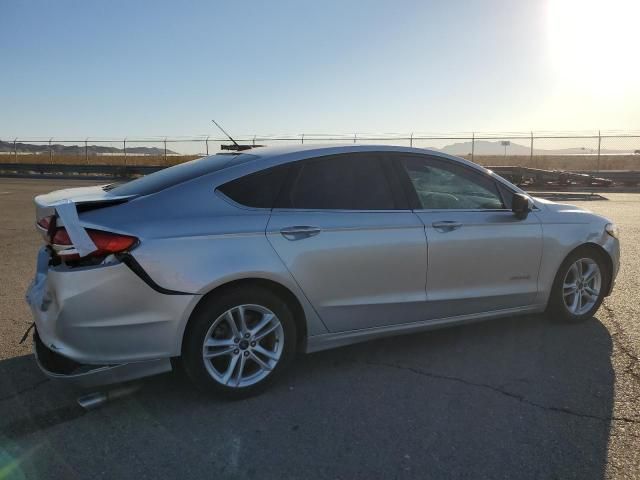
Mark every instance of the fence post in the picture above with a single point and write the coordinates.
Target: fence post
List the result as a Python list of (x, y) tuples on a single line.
[(86, 150), (124, 148), (302, 139), (354, 137), (254, 140), (599, 143), (206, 143), (15, 150), (411, 140), (50, 152), (531, 152), (473, 144), (165, 150)]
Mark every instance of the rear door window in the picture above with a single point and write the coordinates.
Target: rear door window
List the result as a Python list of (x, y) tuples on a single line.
[(339, 182)]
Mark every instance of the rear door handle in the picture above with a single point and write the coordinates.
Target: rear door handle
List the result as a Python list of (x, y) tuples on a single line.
[(446, 226), (298, 232)]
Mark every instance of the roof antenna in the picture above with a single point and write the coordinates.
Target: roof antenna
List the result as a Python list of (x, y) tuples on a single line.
[(236, 146)]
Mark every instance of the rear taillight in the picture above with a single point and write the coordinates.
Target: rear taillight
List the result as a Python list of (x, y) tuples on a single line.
[(106, 243), (61, 237)]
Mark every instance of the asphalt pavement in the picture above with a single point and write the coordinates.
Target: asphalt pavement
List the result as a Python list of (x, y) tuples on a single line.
[(522, 397)]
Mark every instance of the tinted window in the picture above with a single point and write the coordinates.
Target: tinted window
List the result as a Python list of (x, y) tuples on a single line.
[(258, 190), (445, 185), (168, 177), (341, 182)]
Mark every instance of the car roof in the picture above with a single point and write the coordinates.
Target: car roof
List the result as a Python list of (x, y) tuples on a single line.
[(278, 155), (311, 150)]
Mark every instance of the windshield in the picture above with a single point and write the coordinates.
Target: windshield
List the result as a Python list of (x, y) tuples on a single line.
[(168, 177)]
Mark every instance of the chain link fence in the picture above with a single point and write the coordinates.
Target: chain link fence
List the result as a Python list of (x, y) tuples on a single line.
[(545, 150)]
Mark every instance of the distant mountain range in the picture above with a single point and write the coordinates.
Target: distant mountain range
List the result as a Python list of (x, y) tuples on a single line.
[(59, 149), (486, 147)]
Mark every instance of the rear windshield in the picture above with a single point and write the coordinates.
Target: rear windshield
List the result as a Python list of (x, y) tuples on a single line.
[(168, 177)]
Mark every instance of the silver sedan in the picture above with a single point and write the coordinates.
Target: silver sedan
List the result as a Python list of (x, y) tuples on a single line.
[(229, 265)]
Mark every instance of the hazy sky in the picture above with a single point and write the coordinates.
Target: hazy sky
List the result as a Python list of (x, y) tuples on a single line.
[(115, 68)]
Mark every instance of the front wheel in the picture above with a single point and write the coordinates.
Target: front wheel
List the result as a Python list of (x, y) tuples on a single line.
[(579, 286), (239, 342)]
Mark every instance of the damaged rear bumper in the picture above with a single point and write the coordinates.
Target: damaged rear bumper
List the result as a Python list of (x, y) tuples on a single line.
[(59, 367), (103, 324)]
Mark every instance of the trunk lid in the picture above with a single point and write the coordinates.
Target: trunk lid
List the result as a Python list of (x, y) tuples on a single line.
[(83, 197)]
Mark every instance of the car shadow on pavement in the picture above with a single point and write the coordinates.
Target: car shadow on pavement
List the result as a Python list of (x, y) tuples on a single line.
[(519, 397)]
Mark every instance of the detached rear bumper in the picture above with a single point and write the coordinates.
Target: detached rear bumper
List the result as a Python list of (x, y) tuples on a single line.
[(59, 367)]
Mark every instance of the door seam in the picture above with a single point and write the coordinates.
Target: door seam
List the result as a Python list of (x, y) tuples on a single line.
[(293, 278), (426, 246)]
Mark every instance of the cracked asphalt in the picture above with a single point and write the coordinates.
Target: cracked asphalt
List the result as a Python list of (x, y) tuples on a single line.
[(514, 398)]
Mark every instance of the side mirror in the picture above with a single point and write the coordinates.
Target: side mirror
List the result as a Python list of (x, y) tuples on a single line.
[(520, 206)]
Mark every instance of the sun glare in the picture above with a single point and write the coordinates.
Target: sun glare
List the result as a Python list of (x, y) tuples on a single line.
[(594, 45)]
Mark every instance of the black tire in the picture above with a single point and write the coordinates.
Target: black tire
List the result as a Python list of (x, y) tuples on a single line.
[(206, 313), (557, 309)]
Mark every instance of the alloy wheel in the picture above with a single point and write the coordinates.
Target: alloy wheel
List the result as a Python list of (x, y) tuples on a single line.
[(243, 345), (581, 286)]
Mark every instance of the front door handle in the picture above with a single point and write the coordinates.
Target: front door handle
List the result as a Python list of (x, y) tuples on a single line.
[(298, 232), (446, 226)]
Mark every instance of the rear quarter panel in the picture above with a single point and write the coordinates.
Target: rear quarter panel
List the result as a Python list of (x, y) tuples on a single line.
[(194, 240)]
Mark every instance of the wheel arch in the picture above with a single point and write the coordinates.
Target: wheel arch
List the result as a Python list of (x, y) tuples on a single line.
[(604, 256), (276, 288)]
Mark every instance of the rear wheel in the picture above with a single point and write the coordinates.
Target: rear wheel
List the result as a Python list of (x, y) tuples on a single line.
[(238, 342), (579, 286)]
